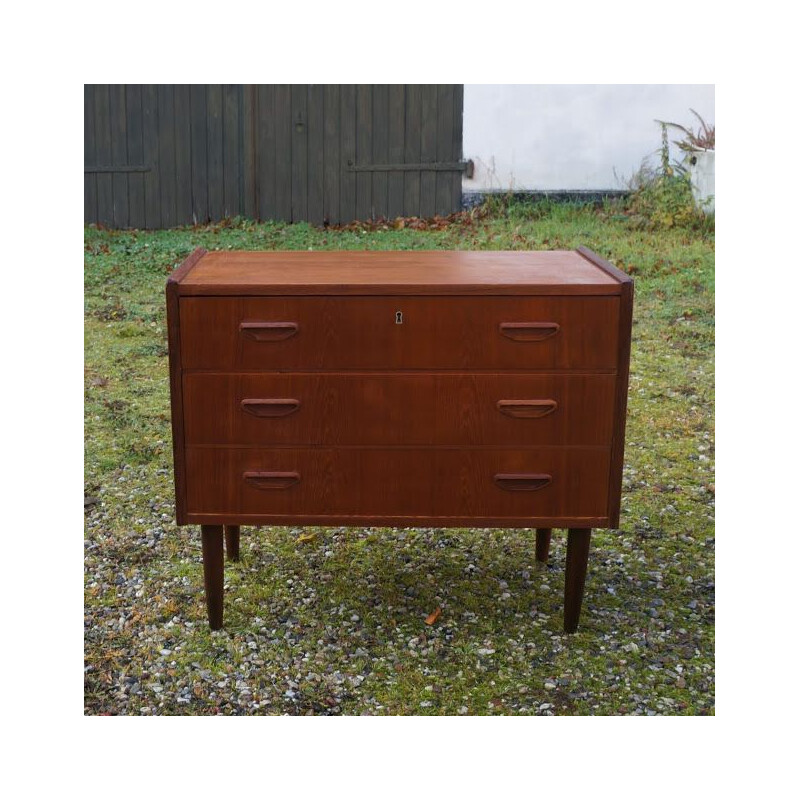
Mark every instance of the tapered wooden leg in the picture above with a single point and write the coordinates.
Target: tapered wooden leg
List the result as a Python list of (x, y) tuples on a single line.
[(577, 559), (232, 542), (543, 544), (213, 573)]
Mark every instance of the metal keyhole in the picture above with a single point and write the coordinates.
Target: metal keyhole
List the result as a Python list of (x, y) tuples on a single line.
[(398, 317)]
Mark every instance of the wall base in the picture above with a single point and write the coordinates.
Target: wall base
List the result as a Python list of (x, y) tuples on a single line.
[(471, 199)]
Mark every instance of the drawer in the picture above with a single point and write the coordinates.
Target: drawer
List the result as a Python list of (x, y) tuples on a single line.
[(398, 409), (342, 333), (408, 484)]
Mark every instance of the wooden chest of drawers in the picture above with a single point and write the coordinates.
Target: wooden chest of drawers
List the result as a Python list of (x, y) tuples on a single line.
[(481, 389)]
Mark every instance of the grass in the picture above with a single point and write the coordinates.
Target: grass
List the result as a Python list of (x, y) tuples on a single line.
[(336, 624)]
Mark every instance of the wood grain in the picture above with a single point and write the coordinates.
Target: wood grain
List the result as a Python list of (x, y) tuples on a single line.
[(623, 362), (343, 333), (175, 381), (560, 272), (575, 579), (412, 483), (213, 573), (425, 389), (543, 536), (232, 542), (390, 521), (422, 409)]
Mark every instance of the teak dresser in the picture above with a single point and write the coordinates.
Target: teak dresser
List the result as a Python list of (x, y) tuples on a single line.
[(430, 389)]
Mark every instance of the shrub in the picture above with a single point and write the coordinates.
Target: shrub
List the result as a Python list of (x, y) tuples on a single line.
[(662, 197)]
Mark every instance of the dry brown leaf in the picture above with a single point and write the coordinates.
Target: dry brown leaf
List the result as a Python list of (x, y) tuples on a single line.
[(431, 618), (306, 537)]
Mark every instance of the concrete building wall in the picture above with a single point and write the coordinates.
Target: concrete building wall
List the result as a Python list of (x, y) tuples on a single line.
[(571, 136)]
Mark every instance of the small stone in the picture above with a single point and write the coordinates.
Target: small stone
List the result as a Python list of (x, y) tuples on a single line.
[(549, 685), (425, 704), (355, 618), (463, 710), (681, 682)]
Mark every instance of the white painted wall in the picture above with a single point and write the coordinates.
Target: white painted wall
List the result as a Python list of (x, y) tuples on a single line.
[(571, 136)]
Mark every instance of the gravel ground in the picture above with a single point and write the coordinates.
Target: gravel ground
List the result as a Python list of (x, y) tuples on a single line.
[(337, 625), (332, 621)]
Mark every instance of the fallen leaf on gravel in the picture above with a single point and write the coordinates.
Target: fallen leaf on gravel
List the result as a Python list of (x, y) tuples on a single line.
[(90, 501), (306, 537), (431, 618), (99, 381)]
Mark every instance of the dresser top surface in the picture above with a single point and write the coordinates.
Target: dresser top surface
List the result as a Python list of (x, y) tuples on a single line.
[(554, 272)]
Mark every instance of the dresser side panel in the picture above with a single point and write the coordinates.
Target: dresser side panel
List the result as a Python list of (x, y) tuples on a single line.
[(623, 368), (176, 380), (621, 403)]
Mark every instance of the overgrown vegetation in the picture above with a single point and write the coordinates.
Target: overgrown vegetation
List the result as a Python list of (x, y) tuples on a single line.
[(704, 138), (333, 621), (661, 197)]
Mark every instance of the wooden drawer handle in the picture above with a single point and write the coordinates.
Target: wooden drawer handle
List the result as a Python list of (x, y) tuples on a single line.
[(522, 482), (268, 331), (529, 331), (272, 480), (271, 407), (528, 409)]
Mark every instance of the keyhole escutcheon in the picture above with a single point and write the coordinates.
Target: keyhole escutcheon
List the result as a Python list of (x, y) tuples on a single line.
[(398, 317)]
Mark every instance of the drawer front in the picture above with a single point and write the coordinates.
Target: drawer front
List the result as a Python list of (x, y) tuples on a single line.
[(398, 409), (342, 333), (407, 483)]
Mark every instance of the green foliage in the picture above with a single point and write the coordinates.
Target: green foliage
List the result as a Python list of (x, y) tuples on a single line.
[(703, 138), (665, 201), (662, 198)]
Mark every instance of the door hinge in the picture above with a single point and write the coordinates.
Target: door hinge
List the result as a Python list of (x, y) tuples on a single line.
[(467, 167), (124, 168)]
